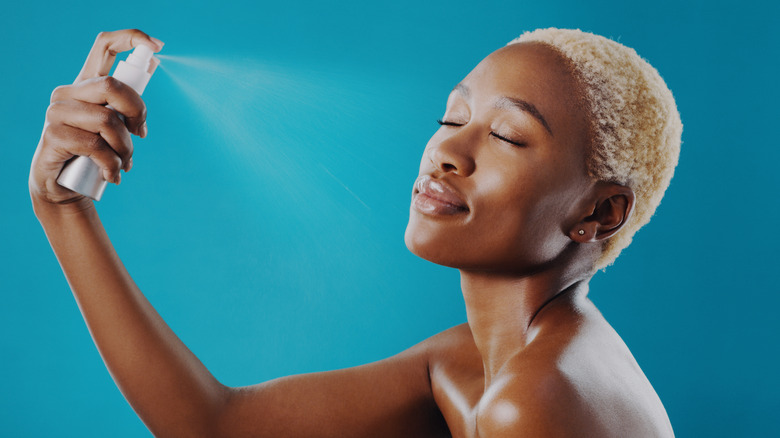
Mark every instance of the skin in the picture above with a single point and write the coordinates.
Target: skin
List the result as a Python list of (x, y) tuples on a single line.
[(536, 357)]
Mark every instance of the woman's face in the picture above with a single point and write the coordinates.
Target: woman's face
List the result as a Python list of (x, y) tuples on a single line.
[(502, 181)]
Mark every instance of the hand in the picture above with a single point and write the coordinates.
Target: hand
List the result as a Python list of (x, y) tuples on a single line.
[(78, 122)]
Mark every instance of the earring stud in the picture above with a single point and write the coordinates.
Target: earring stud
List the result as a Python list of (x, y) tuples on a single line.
[(581, 232)]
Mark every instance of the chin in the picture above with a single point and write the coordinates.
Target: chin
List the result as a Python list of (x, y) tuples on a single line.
[(436, 244), (427, 243)]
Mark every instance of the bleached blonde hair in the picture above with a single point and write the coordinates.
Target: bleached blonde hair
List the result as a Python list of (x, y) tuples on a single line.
[(634, 124)]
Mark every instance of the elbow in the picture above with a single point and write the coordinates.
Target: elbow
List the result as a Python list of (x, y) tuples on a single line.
[(222, 421), (201, 417)]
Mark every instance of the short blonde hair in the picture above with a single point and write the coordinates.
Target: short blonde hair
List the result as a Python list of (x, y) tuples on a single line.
[(635, 126)]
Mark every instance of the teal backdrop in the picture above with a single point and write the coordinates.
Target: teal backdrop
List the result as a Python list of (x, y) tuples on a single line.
[(264, 216)]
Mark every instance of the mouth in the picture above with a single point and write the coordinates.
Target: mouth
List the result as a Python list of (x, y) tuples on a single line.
[(437, 198)]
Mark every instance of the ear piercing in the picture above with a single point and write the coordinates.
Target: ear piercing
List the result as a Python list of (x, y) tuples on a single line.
[(581, 232)]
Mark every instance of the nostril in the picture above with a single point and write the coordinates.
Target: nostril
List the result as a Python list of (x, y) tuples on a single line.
[(447, 158), (447, 167)]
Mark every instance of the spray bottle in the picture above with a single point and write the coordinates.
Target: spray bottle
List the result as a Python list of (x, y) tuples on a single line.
[(81, 174)]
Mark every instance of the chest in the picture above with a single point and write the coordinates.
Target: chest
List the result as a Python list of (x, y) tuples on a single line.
[(458, 388)]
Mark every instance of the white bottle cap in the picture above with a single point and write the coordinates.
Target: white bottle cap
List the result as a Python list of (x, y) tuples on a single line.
[(141, 57)]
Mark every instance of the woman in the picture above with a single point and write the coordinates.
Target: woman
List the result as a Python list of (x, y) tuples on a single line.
[(552, 152)]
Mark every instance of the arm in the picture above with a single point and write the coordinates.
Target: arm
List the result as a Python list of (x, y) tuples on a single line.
[(167, 386), (175, 395), (389, 398), (164, 382)]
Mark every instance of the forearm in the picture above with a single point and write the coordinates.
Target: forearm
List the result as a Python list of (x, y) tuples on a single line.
[(169, 388)]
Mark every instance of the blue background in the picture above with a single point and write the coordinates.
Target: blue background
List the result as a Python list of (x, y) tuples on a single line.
[(265, 213)]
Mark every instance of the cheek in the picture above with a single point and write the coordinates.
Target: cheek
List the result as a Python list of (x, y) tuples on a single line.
[(521, 218), (504, 218)]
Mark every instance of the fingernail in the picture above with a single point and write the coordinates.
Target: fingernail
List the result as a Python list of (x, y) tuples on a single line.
[(129, 164), (107, 175), (144, 130), (158, 42), (118, 178)]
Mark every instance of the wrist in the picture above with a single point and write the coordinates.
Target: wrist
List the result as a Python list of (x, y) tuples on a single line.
[(47, 211)]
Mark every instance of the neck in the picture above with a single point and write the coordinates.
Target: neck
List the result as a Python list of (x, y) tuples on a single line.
[(503, 311)]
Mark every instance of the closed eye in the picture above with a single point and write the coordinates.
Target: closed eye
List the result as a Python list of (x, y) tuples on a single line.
[(496, 135), (510, 141), (446, 123)]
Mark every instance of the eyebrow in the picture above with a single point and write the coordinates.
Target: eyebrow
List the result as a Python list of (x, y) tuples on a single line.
[(505, 102)]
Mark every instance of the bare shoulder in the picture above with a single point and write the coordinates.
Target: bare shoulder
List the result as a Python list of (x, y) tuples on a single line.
[(573, 380), (456, 337)]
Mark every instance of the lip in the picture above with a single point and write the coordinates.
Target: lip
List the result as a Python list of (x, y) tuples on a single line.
[(435, 197)]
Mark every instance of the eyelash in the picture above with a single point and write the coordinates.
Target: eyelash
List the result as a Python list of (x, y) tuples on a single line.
[(498, 136)]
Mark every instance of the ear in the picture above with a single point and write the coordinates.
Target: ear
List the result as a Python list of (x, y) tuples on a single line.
[(609, 209)]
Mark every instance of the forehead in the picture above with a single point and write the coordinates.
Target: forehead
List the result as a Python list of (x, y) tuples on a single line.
[(533, 72)]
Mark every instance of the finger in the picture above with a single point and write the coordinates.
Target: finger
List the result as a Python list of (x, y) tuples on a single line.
[(107, 44), (107, 90), (65, 141), (96, 119)]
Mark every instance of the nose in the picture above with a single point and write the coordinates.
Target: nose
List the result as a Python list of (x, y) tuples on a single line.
[(453, 151)]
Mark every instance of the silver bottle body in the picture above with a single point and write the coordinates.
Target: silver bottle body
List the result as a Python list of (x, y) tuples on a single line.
[(83, 176)]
